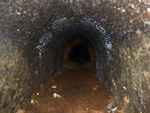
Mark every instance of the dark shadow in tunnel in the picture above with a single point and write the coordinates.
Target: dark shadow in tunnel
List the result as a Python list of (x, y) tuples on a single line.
[(79, 53)]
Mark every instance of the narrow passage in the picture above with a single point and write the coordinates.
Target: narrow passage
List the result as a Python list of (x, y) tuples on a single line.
[(79, 89)]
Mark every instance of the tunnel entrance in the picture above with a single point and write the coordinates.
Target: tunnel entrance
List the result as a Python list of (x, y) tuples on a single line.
[(79, 53)]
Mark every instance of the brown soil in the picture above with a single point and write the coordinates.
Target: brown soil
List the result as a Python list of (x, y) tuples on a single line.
[(80, 91)]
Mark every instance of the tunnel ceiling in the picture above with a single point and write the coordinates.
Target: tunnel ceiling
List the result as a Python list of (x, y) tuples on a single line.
[(33, 35), (40, 24), (35, 19)]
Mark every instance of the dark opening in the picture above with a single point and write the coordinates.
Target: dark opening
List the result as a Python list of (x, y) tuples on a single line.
[(79, 53)]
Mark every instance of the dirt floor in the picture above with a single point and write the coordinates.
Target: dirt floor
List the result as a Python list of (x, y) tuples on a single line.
[(78, 90)]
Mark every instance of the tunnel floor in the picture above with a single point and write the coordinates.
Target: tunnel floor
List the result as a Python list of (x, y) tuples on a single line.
[(79, 89)]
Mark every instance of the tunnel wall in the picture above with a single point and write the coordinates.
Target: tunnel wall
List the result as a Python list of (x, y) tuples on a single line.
[(14, 77), (32, 37), (131, 74)]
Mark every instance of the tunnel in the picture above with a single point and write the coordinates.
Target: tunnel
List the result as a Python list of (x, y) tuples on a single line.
[(38, 37), (79, 52)]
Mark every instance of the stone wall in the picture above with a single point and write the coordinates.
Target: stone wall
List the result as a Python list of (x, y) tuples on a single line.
[(131, 75), (15, 79)]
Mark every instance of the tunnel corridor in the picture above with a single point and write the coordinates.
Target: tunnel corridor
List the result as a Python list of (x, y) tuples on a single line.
[(40, 41), (79, 53), (79, 90)]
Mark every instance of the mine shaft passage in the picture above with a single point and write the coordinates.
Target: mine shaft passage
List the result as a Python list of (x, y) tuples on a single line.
[(41, 39), (79, 53), (80, 50)]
